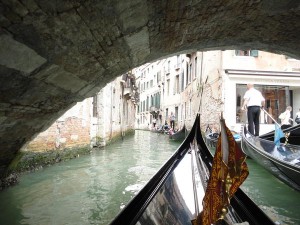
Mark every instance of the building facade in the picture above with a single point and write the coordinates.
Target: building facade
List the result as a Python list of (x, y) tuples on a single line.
[(276, 76), (114, 110), (93, 122), (214, 82)]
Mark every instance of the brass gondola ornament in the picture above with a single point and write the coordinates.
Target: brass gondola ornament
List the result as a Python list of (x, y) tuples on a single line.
[(286, 135)]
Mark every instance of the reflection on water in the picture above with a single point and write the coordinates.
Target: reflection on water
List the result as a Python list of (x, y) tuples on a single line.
[(278, 200), (88, 190), (92, 189)]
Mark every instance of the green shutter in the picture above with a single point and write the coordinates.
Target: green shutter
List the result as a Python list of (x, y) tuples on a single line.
[(254, 53)]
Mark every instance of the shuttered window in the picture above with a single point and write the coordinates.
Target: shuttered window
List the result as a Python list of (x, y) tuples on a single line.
[(254, 53)]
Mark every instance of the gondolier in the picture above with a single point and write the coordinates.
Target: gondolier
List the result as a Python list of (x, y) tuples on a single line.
[(253, 101)]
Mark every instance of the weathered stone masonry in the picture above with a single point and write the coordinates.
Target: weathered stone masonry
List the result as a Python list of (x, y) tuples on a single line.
[(55, 53), (63, 134)]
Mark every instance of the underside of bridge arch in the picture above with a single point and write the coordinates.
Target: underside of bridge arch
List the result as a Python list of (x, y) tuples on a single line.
[(55, 53)]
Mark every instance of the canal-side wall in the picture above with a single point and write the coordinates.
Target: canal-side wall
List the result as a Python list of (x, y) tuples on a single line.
[(69, 131), (94, 122), (65, 139), (115, 110)]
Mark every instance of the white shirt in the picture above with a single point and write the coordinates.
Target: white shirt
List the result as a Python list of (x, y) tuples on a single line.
[(286, 118), (254, 97)]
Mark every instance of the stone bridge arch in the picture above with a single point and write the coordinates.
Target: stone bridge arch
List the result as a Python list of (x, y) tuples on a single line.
[(55, 53)]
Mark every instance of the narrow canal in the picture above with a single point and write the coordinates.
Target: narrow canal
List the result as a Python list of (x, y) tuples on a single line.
[(92, 189)]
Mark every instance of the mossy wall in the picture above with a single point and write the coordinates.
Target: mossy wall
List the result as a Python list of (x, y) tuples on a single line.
[(32, 160)]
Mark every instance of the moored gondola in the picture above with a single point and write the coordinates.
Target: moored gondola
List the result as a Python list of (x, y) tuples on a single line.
[(175, 193), (293, 135), (211, 139), (179, 135), (282, 160)]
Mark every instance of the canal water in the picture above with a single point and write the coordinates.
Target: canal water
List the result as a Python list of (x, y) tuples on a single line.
[(92, 189)]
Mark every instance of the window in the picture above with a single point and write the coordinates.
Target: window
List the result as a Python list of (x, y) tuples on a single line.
[(182, 81), (277, 99), (176, 88), (238, 100), (152, 101), (168, 87), (158, 100), (167, 68), (177, 66), (253, 53), (178, 59), (147, 104), (144, 106), (158, 76)]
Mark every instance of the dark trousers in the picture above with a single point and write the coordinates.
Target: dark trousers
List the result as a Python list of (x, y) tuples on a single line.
[(253, 119)]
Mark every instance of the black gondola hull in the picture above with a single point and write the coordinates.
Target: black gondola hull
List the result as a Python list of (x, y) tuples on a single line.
[(294, 135), (279, 161), (170, 196), (180, 135)]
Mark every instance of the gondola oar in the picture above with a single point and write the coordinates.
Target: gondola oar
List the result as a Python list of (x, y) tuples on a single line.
[(278, 133), (270, 116)]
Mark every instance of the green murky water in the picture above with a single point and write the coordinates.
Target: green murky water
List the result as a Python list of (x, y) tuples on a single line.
[(93, 189)]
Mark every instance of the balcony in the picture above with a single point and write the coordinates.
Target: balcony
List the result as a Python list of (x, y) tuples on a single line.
[(153, 109), (127, 91)]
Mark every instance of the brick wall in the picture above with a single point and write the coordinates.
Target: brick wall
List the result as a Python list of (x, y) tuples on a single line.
[(70, 130)]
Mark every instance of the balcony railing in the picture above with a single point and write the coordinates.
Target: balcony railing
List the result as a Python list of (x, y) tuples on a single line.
[(127, 91), (154, 109)]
